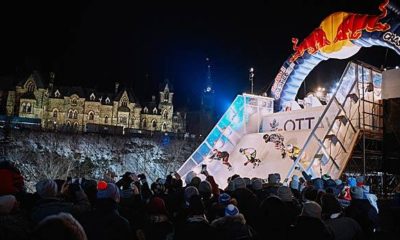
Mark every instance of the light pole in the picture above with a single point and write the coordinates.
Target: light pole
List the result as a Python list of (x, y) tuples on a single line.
[(251, 77)]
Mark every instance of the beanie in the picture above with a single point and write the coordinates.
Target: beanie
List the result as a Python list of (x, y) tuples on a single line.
[(351, 181), (157, 206), (110, 191), (47, 188), (189, 177), (360, 180), (239, 183), (205, 187), (285, 194), (224, 199), (195, 182), (231, 210), (294, 184), (190, 192), (7, 204), (257, 184), (338, 182), (357, 192), (311, 209), (278, 177)]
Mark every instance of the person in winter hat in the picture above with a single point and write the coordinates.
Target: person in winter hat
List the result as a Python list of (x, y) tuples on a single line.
[(189, 177), (311, 209), (256, 184), (285, 194), (239, 183), (7, 204), (205, 188), (224, 199), (108, 191), (61, 226), (231, 210), (189, 193), (47, 188)]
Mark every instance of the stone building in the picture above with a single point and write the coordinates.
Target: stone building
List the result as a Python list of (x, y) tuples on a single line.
[(80, 108)]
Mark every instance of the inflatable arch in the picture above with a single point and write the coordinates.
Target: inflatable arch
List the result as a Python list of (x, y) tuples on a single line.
[(339, 36)]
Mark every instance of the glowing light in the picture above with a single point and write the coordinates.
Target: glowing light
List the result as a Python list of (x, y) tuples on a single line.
[(319, 89), (397, 67), (208, 89)]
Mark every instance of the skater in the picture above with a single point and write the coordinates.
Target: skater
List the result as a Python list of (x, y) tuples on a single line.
[(277, 139), (250, 154), (224, 156), (293, 152)]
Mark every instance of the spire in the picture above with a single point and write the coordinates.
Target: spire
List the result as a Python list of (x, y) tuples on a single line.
[(209, 87)]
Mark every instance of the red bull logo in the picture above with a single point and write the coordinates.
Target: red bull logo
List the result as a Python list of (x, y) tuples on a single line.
[(311, 44), (337, 30), (351, 28)]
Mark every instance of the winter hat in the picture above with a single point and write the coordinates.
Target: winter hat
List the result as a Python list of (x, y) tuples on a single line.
[(195, 182), (247, 181), (257, 184), (190, 192), (272, 178), (278, 177), (326, 177), (224, 199), (231, 186), (189, 177), (196, 205), (7, 204), (318, 184), (157, 206), (285, 194), (330, 205), (357, 192), (338, 182), (239, 183), (110, 190), (311, 209), (47, 188), (294, 185), (231, 210), (351, 181), (205, 187), (53, 225)]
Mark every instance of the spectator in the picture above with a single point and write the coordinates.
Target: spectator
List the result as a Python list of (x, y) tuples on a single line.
[(11, 179), (13, 223), (247, 201), (158, 226)]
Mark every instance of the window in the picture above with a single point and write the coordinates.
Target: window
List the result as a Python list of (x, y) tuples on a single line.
[(28, 108), (144, 123), (91, 116), (124, 102), (92, 97), (166, 96), (75, 114), (154, 123), (55, 113), (74, 102), (70, 114), (30, 85), (164, 127), (155, 111), (106, 119), (107, 100), (165, 115), (75, 125), (68, 124), (123, 120), (145, 110), (57, 93), (23, 107)]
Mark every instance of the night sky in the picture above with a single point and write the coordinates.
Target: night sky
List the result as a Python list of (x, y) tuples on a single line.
[(140, 43)]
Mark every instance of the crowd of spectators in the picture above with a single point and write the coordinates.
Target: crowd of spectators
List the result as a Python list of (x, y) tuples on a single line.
[(190, 208)]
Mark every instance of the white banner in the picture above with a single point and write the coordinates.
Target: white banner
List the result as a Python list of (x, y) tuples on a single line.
[(292, 120)]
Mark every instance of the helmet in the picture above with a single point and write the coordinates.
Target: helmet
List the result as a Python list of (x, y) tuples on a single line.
[(289, 147), (266, 137)]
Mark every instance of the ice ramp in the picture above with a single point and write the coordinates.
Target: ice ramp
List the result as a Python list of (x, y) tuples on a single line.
[(270, 157)]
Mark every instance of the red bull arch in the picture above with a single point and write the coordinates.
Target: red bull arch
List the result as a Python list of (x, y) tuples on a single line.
[(339, 36)]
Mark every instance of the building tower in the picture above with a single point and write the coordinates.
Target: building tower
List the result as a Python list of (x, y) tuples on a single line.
[(207, 118)]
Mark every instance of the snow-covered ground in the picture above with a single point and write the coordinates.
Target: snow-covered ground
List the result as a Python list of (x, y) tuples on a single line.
[(58, 155)]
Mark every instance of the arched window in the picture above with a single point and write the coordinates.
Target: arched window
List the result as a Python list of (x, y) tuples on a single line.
[(57, 93), (91, 116), (107, 100), (92, 97), (70, 114), (106, 119), (68, 124), (165, 114), (75, 114), (28, 108), (23, 107), (166, 96), (154, 123), (124, 102), (164, 127), (145, 110), (155, 111), (75, 125), (74, 102), (144, 123), (30, 86), (55, 113)]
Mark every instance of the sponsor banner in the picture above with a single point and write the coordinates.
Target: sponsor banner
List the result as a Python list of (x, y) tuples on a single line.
[(293, 120)]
